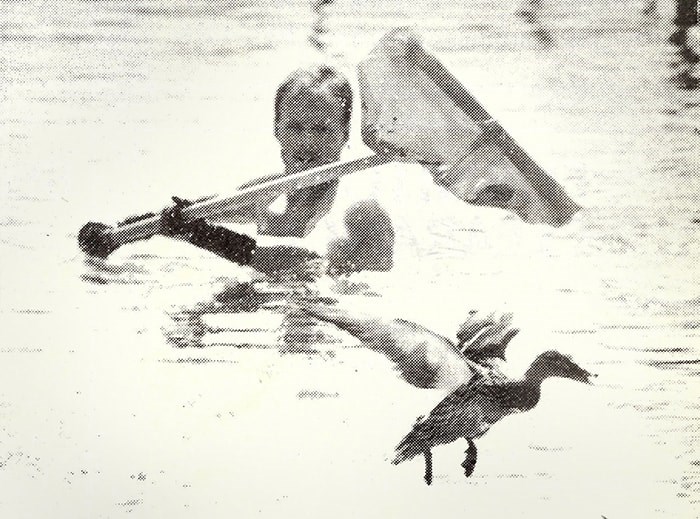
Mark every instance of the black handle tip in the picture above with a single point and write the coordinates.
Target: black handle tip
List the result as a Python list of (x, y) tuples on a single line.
[(95, 241)]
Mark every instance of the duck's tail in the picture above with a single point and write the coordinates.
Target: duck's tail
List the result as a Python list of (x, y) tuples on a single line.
[(413, 444)]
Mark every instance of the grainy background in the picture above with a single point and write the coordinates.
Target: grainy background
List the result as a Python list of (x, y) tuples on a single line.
[(109, 407)]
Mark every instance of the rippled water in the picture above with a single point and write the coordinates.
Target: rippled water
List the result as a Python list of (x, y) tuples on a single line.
[(108, 108)]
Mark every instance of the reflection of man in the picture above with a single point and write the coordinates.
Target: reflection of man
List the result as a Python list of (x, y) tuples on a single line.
[(312, 122)]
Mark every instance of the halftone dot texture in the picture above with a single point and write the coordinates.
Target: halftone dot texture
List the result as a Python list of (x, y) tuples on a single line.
[(470, 410), (156, 382)]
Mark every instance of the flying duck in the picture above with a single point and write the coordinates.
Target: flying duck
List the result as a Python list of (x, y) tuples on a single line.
[(470, 410)]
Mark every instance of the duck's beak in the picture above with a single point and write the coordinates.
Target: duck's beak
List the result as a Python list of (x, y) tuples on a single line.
[(581, 375), (586, 376)]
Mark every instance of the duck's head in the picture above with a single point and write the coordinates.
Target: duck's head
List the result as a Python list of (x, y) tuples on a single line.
[(555, 364)]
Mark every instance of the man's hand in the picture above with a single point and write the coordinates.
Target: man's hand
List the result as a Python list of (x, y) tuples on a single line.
[(172, 222)]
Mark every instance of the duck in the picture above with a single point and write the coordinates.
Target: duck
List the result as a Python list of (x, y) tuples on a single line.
[(424, 358), (471, 409)]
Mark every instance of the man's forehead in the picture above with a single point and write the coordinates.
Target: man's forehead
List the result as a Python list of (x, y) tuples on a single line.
[(307, 101)]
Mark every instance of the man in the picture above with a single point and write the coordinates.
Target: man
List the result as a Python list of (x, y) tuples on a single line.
[(313, 108)]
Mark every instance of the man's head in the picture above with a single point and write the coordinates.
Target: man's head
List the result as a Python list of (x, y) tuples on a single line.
[(312, 117)]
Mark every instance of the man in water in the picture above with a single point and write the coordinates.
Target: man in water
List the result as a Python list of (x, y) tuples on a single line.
[(313, 108)]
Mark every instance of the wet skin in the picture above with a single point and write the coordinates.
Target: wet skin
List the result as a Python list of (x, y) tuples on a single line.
[(312, 131)]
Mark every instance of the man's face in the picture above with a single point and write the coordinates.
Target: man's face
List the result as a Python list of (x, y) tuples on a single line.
[(310, 130)]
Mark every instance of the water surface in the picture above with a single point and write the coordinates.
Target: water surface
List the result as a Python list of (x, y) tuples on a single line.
[(117, 398)]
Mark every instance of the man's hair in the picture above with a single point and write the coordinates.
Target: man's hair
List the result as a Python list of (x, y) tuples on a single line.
[(322, 77)]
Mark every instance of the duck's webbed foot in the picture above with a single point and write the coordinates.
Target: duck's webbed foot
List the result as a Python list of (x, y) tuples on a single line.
[(469, 462), (428, 467)]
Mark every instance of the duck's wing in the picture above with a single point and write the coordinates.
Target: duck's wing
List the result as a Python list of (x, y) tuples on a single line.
[(423, 359), (369, 330), (482, 338), (426, 359), (467, 412)]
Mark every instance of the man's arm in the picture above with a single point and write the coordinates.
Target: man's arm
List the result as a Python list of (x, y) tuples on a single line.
[(236, 247)]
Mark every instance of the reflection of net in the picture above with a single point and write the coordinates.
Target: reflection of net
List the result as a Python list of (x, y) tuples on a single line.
[(409, 111)]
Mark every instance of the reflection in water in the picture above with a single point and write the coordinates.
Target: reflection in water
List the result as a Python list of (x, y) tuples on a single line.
[(318, 28), (530, 12), (259, 313), (687, 38), (650, 8), (529, 8), (251, 315), (264, 313), (129, 272)]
